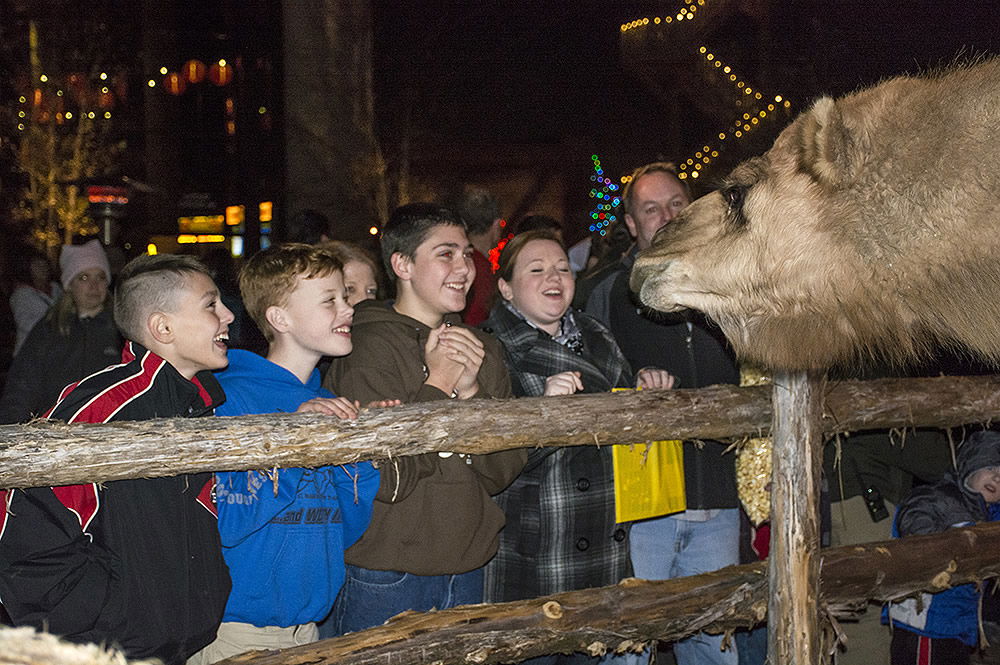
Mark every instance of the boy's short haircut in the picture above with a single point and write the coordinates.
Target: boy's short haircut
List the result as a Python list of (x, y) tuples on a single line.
[(271, 275), (150, 284), (409, 226)]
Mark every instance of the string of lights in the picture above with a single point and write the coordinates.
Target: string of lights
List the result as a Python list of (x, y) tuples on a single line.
[(50, 100), (752, 100), (686, 12), (77, 97)]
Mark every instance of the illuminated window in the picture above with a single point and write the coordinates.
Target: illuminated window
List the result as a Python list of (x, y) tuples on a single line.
[(235, 215)]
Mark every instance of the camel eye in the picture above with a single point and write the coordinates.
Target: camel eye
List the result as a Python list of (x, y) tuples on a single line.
[(733, 196)]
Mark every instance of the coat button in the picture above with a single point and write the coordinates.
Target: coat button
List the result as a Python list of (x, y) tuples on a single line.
[(583, 484), (619, 535), (582, 544)]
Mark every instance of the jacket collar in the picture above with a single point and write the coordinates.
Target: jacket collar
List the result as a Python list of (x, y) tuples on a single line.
[(203, 390)]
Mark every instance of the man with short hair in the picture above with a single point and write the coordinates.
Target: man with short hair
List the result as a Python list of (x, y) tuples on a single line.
[(705, 537), (480, 211)]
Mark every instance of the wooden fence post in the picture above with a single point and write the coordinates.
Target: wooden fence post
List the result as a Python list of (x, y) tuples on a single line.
[(794, 632)]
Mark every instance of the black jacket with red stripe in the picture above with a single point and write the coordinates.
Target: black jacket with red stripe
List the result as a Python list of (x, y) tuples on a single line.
[(134, 563)]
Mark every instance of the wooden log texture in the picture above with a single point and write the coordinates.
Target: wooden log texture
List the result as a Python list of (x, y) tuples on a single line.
[(48, 453), (794, 631), (634, 612)]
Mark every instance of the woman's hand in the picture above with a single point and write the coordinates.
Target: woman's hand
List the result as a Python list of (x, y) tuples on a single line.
[(564, 383), (341, 407), (654, 378)]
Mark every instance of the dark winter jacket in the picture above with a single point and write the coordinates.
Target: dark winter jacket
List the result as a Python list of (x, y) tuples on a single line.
[(561, 533), (48, 362), (935, 508), (433, 514), (947, 503), (134, 563), (690, 348)]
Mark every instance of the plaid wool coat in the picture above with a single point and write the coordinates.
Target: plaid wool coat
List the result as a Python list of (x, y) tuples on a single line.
[(561, 533)]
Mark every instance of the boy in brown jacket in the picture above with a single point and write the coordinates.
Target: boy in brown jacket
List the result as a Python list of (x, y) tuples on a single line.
[(434, 524)]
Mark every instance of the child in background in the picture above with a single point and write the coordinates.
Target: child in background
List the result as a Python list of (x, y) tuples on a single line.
[(133, 563), (284, 532), (943, 628), (362, 277)]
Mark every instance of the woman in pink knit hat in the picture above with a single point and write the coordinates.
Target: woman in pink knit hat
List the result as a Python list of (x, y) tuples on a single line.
[(76, 338)]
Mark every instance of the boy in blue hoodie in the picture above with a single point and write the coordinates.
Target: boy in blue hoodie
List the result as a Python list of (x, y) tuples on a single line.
[(943, 628), (284, 531)]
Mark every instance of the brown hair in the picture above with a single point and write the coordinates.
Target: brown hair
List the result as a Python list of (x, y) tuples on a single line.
[(510, 252), (271, 275), (151, 283), (653, 167)]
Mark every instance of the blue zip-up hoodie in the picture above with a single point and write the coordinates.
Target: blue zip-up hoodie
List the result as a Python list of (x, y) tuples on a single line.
[(284, 541), (953, 613)]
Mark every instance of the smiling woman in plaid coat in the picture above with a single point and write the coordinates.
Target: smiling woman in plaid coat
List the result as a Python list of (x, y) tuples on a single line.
[(561, 533)]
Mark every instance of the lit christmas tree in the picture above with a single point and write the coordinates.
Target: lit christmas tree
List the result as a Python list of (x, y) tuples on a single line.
[(607, 201)]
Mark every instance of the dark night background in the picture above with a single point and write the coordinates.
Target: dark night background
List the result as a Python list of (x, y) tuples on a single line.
[(514, 94), (553, 72)]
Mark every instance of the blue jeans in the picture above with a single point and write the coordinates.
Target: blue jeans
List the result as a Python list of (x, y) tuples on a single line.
[(667, 547), (752, 646), (372, 597)]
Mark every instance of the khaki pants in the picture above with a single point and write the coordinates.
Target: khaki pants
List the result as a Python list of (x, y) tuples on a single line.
[(867, 639), (235, 638)]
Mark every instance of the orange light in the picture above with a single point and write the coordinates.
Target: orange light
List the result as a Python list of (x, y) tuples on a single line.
[(220, 73), (373, 230), (235, 215), (211, 238), (194, 71), (151, 249), (174, 83), (185, 239), (264, 211)]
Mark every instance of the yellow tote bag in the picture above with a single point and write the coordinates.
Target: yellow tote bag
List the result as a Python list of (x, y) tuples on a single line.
[(649, 480)]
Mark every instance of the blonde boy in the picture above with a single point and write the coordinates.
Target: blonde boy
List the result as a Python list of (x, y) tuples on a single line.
[(284, 541)]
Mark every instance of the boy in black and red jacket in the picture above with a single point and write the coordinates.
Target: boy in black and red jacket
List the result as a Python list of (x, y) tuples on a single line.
[(133, 563)]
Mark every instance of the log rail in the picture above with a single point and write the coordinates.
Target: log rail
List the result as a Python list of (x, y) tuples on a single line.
[(621, 617), (46, 453)]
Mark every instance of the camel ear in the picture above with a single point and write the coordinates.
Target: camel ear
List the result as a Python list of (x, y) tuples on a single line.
[(826, 145)]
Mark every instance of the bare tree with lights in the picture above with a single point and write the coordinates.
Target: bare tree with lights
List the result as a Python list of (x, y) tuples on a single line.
[(61, 127)]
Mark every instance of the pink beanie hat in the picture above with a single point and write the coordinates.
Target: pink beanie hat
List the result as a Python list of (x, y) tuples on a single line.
[(77, 258)]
